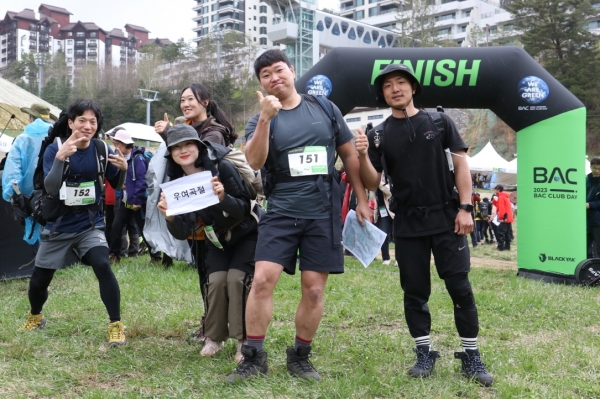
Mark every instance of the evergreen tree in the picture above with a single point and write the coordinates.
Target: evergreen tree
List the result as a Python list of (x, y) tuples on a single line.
[(556, 33)]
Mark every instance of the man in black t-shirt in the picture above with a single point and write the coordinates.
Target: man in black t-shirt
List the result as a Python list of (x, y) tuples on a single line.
[(295, 139), (425, 160)]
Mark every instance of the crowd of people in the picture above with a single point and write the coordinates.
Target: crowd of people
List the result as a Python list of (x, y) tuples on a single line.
[(414, 163)]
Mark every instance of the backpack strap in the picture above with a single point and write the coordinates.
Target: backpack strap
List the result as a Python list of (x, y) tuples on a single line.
[(101, 160)]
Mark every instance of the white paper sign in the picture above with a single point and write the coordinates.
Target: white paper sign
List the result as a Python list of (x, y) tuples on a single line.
[(364, 242), (189, 193)]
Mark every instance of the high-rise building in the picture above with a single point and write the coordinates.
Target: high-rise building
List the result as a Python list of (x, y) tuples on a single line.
[(250, 17), (453, 19)]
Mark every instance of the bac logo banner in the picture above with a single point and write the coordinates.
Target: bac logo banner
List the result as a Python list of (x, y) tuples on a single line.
[(190, 193)]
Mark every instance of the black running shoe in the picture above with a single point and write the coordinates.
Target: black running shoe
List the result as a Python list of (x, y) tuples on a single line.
[(299, 365), (473, 367), (254, 363), (425, 362)]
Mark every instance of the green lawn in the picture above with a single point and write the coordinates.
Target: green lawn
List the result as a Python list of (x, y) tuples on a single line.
[(539, 341)]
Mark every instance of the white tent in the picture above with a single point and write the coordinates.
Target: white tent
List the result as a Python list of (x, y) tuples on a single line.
[(512, 166), (139, 131), (487, 160)]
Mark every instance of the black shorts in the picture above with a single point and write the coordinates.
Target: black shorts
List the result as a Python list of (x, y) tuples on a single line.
[(450, 253), (280, 238)]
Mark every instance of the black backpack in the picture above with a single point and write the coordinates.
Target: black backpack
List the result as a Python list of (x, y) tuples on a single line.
[(43, 206), (484, 209)]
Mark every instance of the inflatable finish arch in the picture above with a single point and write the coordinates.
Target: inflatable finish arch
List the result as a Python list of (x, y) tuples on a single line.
[(548, 119)]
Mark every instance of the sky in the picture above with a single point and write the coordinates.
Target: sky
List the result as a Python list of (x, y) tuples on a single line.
[(170, 19)]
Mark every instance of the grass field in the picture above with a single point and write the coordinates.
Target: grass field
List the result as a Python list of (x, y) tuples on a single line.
[(538, 340)]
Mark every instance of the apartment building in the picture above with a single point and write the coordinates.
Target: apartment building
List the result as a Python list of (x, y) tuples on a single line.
[(51, 31), (250, 17)]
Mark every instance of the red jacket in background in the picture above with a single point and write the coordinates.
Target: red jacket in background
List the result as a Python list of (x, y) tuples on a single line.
[(109, 193), (504, 207)]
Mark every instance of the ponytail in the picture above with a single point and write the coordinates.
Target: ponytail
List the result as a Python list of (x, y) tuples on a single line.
[(220, 116)]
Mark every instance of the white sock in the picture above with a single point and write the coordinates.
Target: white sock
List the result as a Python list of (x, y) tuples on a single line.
[(469, 343), (425, 340)]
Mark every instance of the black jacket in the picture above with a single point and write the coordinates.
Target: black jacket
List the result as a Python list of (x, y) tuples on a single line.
[(231, 218), (592, 185)]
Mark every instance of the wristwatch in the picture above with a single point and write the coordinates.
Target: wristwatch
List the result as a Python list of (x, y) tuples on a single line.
[(466, 207)]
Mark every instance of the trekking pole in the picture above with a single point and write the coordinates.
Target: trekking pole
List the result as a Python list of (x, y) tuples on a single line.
[(7, 123)]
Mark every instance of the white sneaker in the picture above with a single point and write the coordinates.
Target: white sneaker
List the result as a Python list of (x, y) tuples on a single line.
[(386, 262)]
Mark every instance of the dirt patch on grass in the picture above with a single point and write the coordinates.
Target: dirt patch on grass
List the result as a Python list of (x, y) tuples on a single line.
[(493, 263)]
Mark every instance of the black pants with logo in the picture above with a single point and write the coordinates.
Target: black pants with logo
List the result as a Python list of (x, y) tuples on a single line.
[(452, 261)]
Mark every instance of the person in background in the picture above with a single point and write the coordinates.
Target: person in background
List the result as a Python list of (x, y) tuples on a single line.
[(505, 217), (133, 203), (386, 217), (592, 206), (20, 165), (475, 238), (482, 214)]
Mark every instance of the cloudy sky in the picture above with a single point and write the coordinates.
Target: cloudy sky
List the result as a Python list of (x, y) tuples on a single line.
[(170, 19)]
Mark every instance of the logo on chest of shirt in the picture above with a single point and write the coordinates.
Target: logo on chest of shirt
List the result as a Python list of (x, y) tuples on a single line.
[(429, 135)]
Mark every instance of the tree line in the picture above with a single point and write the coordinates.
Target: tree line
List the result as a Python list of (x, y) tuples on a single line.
[(166, 69)]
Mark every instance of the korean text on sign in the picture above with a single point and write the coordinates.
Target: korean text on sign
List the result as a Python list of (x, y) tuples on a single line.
[(189, 193)]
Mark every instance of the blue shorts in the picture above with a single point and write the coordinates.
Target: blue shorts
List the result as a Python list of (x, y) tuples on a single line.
[(280, 238)]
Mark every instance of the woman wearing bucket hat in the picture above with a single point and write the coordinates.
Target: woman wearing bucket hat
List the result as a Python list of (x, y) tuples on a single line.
[(230, 250), (424, 157)]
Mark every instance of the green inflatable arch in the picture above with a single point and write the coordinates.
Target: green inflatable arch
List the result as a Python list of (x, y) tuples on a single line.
[(549, 121)]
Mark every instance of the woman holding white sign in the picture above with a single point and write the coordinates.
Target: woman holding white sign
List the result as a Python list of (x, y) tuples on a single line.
[(229, 226)]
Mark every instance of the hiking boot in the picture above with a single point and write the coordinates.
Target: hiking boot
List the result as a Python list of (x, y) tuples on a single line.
[(425, 362), (299, 365), (254, 363), (473, 367), (114, 259), (116, 334), (210, 347), (238, 353), (33, 322)]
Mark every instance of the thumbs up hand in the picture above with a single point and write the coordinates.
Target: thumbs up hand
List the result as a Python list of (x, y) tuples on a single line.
[(160, 126), (269, 106), (362, 143)]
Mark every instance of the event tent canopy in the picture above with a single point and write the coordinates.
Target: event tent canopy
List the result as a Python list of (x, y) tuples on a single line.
[(139, 131), (487, 160)]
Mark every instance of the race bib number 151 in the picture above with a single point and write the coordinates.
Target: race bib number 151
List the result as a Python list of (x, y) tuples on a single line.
[(305, 161)]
